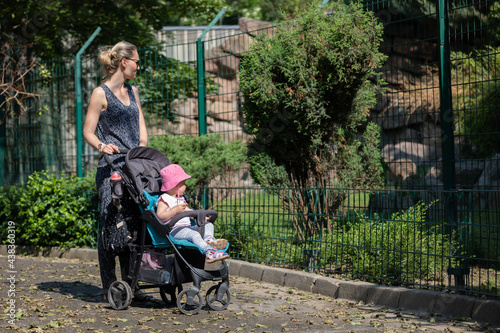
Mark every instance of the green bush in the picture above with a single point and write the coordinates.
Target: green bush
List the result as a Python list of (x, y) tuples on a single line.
[(402, 248), (306, 90), (203, 157), (51, 211)]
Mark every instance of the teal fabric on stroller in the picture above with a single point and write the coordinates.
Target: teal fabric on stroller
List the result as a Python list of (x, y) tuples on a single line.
[(162, 241)]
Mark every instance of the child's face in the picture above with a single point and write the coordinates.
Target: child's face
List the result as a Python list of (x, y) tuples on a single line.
[(181, 187)]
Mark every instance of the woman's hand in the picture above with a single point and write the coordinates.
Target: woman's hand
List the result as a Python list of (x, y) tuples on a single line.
[(109, 149)]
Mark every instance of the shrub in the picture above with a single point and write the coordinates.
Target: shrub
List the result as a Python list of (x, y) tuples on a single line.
[(400, 249), (203, 157), (51, 211), (306, 90)]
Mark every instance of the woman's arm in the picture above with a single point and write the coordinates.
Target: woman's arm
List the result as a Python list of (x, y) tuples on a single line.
[(143, 138), (97, 103)]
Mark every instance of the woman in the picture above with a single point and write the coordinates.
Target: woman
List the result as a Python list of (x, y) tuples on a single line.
[(114, 122)]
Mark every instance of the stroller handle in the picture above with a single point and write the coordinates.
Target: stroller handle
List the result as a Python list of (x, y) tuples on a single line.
[(108, 160)]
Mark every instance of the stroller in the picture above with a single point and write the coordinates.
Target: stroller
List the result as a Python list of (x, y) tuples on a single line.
[(149, 263)]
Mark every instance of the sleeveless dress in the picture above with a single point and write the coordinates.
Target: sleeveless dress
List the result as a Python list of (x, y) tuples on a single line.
[(119, 125)]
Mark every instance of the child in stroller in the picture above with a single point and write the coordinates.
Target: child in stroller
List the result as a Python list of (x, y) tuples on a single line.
[(185, 262), (172, 202)]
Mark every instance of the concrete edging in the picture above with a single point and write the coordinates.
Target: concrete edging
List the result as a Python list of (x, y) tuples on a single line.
[(477, 309)]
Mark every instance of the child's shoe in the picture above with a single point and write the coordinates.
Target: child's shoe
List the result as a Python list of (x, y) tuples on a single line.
[(218, 244), (216, 255)]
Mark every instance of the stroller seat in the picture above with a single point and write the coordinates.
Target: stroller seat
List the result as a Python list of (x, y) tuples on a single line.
[(161, 242)]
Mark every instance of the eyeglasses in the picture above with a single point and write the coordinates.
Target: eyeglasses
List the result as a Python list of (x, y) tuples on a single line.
[(137, 62)]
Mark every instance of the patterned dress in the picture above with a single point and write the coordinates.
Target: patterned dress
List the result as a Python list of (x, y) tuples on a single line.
[(119, 125)]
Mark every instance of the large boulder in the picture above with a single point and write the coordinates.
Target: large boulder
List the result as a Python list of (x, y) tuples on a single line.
[(255, 27), (416, 152)]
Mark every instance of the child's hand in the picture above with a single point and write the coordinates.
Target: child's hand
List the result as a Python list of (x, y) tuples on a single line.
[(180, 208)]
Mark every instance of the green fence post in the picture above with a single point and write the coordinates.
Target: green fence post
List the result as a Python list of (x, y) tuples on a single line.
[(200, 61), (202, 114), (79, 103), (323, 4), (445, 96), (446, 112)]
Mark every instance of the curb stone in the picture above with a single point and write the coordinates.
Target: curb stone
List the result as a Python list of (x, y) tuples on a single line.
[(482, 310)]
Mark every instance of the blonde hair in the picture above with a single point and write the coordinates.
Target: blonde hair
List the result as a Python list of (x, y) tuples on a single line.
[(110, 58)]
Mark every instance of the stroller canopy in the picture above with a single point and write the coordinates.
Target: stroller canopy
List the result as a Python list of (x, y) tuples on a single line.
[(142, 170)]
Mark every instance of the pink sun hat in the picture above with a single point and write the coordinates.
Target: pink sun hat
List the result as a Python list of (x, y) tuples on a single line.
[(171, 175)]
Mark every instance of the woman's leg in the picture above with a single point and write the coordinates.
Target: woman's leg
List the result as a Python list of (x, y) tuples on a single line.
[(107, 264)]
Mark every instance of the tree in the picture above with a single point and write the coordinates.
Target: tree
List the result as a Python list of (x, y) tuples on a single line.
[(34, 29), (306, 90)]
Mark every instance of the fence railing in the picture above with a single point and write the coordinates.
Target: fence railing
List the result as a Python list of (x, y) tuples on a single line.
[(383, 236)]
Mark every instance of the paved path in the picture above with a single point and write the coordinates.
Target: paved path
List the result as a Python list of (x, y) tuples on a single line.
[(63, 295)]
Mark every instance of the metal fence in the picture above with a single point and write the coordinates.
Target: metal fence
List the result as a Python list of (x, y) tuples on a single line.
[(437, 225)]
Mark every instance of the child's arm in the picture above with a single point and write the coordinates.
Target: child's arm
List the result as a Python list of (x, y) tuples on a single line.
[(165, 214)]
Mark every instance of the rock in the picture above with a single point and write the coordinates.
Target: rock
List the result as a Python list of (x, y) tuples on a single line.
[(227, 111), (229, 132), (406, 64), (221, 63), (186, 107), (399, 116), (416, 152), (236, 45), (401, 169), (186, 126), (431, 133), (227, 90), (422, 49), (490, 181), (490, 174), (256, 27), (395, 76), (403, 133)]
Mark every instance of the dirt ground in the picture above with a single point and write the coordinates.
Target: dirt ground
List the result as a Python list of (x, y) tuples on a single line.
[(53, 295)]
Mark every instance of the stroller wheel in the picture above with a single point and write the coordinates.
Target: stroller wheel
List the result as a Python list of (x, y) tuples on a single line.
[(168, 295), (119, 295), (188, 302), (214, 302)]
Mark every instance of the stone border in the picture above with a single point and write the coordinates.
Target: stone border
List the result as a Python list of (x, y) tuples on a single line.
[(482, 310)]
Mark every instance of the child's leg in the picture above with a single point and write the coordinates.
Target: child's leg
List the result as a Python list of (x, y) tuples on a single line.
[(219, 244), (191, 234), (209, 231)]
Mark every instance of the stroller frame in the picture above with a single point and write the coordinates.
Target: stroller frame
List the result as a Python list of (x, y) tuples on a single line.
[(144, 189)]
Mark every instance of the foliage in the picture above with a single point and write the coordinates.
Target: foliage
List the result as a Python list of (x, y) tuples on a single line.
[(50, 211), (478, 103), (203, 157), (403, 248), (306, 90), (162, 80), (57, 28), (360, 162), (267, 10)]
